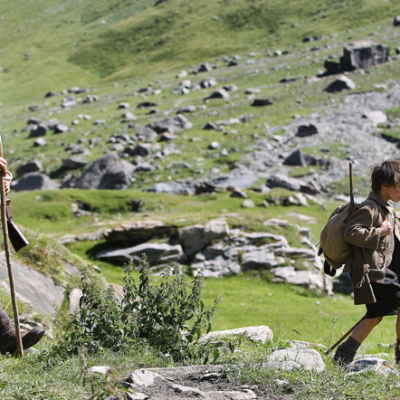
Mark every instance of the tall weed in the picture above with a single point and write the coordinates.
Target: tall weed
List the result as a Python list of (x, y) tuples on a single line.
[(166, 316)]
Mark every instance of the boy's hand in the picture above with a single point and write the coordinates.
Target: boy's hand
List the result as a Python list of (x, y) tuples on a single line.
[(386, 228), (3, 167)]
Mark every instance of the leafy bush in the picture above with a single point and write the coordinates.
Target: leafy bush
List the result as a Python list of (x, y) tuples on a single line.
[(165, 316)]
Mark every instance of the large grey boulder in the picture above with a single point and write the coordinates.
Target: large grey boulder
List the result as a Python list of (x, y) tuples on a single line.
[(108, 172), (297, 185), (74, 162), (33, 287), (363, 54), (308, 358), (176, 123), (157, 253), (32, 166), (34, 181)]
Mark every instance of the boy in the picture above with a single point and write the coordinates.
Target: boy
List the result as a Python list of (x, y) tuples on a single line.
[(375, 262)]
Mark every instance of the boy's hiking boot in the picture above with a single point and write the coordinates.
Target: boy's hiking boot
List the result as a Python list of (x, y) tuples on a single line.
[(29, 339), (346, 351)]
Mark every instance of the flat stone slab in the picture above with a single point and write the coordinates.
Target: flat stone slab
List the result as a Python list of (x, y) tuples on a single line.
[(254, 333), (33, 286), (193, 382)]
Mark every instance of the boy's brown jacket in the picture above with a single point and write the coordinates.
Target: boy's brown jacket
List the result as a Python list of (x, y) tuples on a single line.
[(363, 232)]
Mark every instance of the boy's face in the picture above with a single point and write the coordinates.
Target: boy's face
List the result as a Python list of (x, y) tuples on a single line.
[(392, 192)]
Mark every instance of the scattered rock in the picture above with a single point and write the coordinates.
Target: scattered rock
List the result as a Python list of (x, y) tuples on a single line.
[(128, 116), (146, 104), (146, 133), (248, 203), (300, 159), (210, 126), (51, 94), (61, 128), (187, 109), (34, 181), (32, 166), (208, 83), (205, 67), (218, 94), (39, 142), (38, 130), (310, 129), (341, 83), (172, 124), (236, 192), (261, 102), (213, 146), (33, 107)]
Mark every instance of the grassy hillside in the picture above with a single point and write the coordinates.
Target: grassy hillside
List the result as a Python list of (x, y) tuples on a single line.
[(53, 44)]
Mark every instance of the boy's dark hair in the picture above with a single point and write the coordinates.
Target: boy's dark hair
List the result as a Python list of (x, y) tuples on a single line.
[(388, 172)]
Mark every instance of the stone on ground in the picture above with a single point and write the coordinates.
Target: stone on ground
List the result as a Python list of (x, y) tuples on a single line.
[(308, 358)]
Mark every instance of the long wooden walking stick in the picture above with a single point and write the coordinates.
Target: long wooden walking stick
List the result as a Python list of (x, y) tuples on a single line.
[(352, 209), (8, 258)]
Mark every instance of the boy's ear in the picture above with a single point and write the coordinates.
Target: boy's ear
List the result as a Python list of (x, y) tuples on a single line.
[(385, 185)]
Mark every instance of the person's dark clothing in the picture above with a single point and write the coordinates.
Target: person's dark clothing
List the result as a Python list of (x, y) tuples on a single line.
[(387, 293)]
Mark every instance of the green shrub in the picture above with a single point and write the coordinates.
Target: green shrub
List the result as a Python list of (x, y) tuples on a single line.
[(164, 316)]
